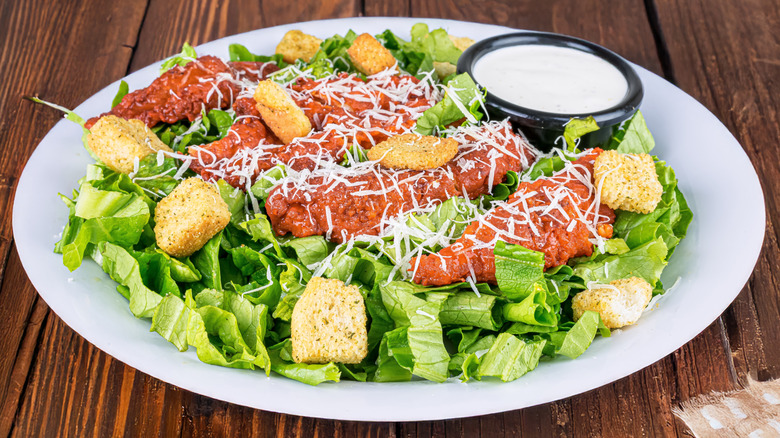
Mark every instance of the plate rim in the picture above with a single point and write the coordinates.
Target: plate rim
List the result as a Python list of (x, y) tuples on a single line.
[(343, 25)]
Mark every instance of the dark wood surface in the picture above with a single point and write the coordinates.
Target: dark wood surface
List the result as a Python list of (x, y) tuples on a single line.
[(53, 383)]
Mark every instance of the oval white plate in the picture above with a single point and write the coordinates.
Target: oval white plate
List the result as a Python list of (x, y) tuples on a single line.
[(711, 167)]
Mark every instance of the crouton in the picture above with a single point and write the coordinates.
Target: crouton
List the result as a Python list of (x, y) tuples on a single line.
[(620, 303), (628, 181), (280, 113), (461, 43), (414, 151), (444, 69), (329, 324), (369, 55), (118, 142), (298, 45), (186, 219)]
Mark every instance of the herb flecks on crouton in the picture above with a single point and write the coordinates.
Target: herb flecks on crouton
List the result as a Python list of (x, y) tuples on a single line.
[(628, 181), (119, 142), (414, 151), (369, 55), (189, 217), (329, 324), (298, 45), (280, 113), (620, 303)]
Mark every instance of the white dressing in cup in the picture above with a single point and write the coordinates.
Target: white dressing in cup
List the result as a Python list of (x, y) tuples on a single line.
[(551, 79)]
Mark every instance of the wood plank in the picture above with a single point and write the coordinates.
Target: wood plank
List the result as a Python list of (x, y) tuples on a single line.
[(205, 20), (382, 8), (629, 35), (100, 396), (731, 65), (65, 34), (22, 313)]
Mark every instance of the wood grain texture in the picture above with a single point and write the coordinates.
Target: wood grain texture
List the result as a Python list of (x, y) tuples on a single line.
[(733, 67), (54, 383), (43, 49), (630, 35), (201, 21)]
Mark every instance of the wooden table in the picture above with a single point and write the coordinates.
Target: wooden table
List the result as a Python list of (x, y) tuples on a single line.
[(725, 53)]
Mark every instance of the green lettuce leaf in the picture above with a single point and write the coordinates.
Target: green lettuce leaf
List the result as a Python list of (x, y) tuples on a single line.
[(633, 137), (187, 54), (238, 52), (580, 336), (310, 250), (576, 128), (101, 216), (519, 270), (123, 268), (533, 310), (121, 93), (417, 56), (509, 358), (310, 374), (462, 100), (468, 309), (416, 344), (645, 261)]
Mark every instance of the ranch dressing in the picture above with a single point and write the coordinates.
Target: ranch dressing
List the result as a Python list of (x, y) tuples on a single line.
[(551, 79)]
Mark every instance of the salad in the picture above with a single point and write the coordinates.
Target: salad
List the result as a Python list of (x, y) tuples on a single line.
[(345, 209)]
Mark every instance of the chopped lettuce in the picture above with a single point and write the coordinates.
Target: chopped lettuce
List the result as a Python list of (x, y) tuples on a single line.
[(238, 52), (519, 271), (462, 101), (121, 93), (101, 216), (576, 128), (469, 309), (416, 344), (509, 358), (234, 298), (426, 47), (633, 137), (187, 54)]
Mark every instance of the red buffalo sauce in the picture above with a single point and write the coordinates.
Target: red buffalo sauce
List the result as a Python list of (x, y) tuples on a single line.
[(559, 216), (343, 110), (184, 92), (341, 203)]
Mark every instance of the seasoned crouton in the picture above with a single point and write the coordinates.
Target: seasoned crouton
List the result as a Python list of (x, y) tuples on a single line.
[(414, 151), (118, 142), (628, 181), (298, 45), (620, 303), (444, 69), (279, 111), (329, 324), (186, 219), (369, 55), (462, 43)]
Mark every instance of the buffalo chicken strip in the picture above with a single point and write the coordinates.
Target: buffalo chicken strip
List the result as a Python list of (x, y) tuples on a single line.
[(343, 202), (343, 110), (185, 92), (560, 216)]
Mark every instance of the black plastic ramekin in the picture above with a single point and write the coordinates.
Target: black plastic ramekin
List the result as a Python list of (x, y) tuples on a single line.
[(543, 128)]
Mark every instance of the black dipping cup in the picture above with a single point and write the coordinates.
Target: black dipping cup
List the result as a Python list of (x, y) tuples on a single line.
[(542, 128)]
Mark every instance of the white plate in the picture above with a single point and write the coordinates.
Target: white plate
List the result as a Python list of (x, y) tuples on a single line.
[(713, 263)]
